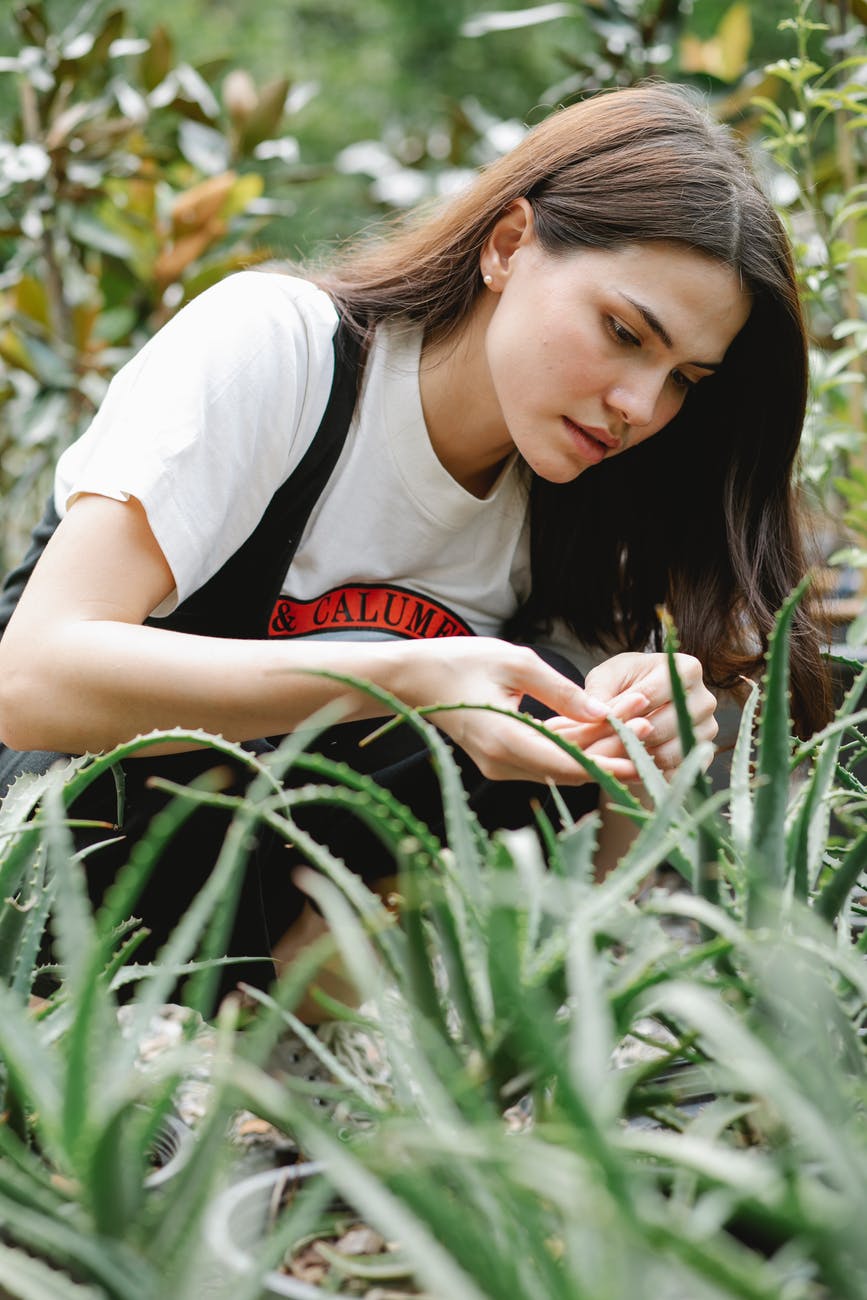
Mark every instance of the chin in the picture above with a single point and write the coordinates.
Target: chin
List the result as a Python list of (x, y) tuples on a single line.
[(559, 473)]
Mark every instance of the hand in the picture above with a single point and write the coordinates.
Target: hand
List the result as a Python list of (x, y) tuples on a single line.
[(625, 674), (483, 670)]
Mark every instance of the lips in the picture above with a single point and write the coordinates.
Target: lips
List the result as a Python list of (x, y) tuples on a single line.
[(592, 442)]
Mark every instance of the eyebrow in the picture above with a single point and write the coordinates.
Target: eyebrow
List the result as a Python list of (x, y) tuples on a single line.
[(654, 323)]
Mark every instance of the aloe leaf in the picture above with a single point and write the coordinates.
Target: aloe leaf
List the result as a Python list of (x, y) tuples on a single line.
[(35, 925), (375, 813), (462, 827), (26, 1178), (524, 857), (319, 1049), (341, 773), (766, 859), (756, 1069), (577, 849), (23, 920), (566, 818), (748, 1173), (678, 695), (833, 895), (421, 984), (461, 969), (120, 898), (705, 879), (117, 1168), (19, 835), (536, 1031), (848, 723), (651, 778), (469, 911), (591, 1036), (434, 1265), (29, 1279), (809, 833), (76, 940), (495, 1232), (260, 1038), (598, 775), (122, 1274), (740, 782), (719, 1262), (655, 840), (267, 773)]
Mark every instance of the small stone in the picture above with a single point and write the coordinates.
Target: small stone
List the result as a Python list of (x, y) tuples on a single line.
[(360, 1240)]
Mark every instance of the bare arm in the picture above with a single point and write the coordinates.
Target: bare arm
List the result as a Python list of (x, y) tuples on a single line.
[(78, 671)]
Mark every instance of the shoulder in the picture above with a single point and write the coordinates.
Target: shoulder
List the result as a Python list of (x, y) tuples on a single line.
[(256, 336), (254, 308)]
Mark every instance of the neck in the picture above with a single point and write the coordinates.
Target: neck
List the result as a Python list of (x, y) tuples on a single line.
[(461, 411)]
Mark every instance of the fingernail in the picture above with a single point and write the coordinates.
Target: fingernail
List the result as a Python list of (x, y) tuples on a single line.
[(595, 707)]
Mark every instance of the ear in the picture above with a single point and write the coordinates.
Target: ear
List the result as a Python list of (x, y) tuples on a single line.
[(513, 231)]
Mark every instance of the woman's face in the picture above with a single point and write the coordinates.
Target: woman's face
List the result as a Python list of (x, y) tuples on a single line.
[(591, 352)]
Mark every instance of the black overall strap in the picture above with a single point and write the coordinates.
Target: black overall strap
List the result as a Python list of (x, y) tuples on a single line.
[(237, 601)]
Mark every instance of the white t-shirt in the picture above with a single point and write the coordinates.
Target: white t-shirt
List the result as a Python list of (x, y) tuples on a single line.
[(216, 411)]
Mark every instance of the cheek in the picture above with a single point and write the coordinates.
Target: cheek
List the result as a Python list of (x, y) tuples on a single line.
[(669, 405)]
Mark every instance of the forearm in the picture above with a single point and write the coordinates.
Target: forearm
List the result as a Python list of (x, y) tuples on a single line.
[(91, 684)]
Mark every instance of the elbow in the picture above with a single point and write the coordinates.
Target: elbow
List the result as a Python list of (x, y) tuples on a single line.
[(16, 730), (21, 724)]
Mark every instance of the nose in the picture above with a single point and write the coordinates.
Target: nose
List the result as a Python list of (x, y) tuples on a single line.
[(636, 399)]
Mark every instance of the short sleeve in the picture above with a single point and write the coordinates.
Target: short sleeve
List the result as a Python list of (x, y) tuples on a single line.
[(209, 418)]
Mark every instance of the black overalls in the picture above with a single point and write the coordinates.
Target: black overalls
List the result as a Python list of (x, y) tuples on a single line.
[(237, 602)]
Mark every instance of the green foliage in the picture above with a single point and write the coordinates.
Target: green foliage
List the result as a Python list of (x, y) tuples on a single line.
[(729, 1161), (130, 179), (815, 130), (753, 1193), (126, 187), (502, 977)]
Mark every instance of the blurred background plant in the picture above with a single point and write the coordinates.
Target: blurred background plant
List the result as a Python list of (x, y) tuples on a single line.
[(815, 131), (146, 154), (126, 186)]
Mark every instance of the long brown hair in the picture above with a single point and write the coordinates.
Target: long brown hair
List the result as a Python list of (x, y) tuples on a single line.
[(703, 516)]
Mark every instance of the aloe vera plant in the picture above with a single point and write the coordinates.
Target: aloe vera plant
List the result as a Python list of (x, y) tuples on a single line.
[(517, 978), (509, 974)]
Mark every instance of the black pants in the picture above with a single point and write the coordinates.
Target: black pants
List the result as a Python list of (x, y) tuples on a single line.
[(270, 901)]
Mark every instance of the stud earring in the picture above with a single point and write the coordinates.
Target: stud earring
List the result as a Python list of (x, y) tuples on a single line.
[(488, 279)]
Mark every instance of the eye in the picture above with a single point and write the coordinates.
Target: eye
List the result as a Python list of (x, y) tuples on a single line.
[(682, 381), (621, 333)]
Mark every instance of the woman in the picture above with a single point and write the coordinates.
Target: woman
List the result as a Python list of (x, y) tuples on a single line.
[(580, 394)]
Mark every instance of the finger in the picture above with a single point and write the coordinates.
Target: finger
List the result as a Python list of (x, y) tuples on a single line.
[(558, 693), (633, 705), (514, 752), (507, 750), (657, 684), (648, 673), (615, 675), (587, 736), (666, 726), (669, 753), (668, 757)]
